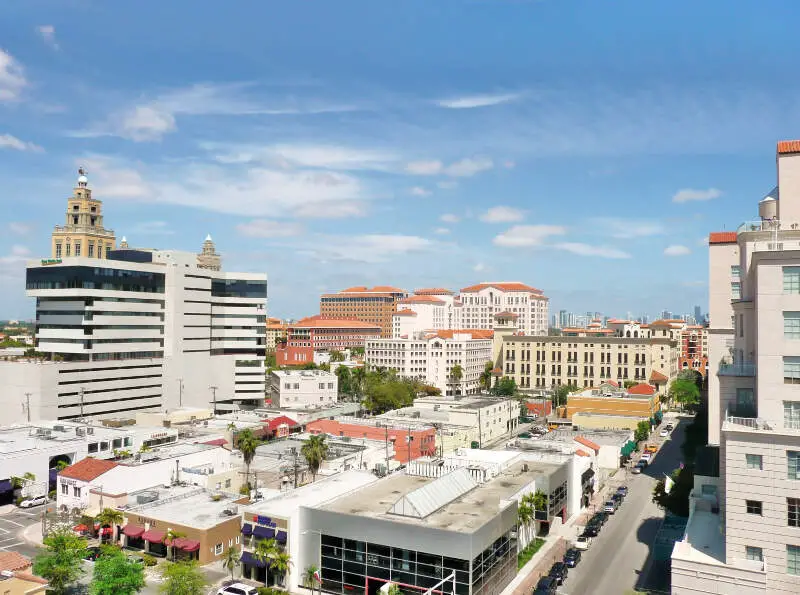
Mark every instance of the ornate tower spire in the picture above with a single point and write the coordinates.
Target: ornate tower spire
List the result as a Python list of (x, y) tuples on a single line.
[(208, 257)]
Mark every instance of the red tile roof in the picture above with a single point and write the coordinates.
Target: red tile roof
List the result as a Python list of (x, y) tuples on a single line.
[(279, 421), (722, 237), (788, 146), (582, 453), (642, 389), (587, 443), (432, 291), (31, 578), (475, 333), (216, 442), (87, 469), (404, 313), (319, 321), (511, 286), (657, 377), (421, 299), (376, 289), (611, 382), (13, 561)]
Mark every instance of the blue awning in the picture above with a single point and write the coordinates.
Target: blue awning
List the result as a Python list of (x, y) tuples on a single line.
[(281, 537), (5, 486), (251, 560), (53, 475), (263, 532), (247, 529)]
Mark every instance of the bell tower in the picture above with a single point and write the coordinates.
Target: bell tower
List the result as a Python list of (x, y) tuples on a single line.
[(83, 233), (208, 257)]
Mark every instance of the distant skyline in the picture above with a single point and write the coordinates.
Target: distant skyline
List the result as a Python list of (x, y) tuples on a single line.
[(583, 148)]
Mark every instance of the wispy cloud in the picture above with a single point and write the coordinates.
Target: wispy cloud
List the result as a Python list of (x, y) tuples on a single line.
[(19, 228), (622, 228), (468, 167), (528, 235), (153, 228), (692, 194), (502, 214), (265, 228), (590, 250), (479, 267), (450, 218), (48, 35), (370, 248), (12, 77), (441, 231), (677, 250), (12, 142), (419, 191), (473, 101), (424, 168), (321, 156), (12, 265)]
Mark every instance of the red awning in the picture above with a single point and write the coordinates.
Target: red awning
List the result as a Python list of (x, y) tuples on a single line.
[(133, 530), (80, 528), (106, 531), (216, 442), (187, 545), (153, 536)]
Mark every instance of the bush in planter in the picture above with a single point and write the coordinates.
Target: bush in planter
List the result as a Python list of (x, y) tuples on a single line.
[(52, 494), (149, 560)]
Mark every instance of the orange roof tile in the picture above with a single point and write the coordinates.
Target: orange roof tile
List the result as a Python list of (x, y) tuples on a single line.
[(319, 321), (587, 443), (432, 291), (421, 299), (354, 289), (13, 561), (722, 237), (788, 146), (618, 321), (657, 377), (31, 578), (475, 333), (87, 469), (582, 453), (404, 313), (506, 286), (642, 389)]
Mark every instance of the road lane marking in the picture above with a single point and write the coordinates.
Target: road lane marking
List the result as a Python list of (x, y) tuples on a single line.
[(5, 547), (13, 522)]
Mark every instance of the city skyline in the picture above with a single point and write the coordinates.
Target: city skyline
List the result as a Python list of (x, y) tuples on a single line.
[(338, 155)]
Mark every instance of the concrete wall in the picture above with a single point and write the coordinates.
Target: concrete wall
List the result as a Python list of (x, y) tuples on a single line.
[(605, 422), (696, 578)]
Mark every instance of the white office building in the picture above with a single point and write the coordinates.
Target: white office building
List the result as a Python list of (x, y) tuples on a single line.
[(482, 302), (303, 389)]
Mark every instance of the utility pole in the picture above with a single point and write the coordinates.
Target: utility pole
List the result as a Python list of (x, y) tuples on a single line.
[(80, 392), (386, 446), (27, 406), (214, 398), (180, 392), (294, 455), (409, 445)]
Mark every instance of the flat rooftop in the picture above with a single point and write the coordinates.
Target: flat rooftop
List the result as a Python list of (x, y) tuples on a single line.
[(47, 434), (303, 373), (185, 505), (703, 541), (465, 514)]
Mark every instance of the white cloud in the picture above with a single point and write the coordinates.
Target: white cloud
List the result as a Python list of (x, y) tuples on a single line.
[(146, 123), (479, 267), (371, 248), (468, 167), (502, 214), (12, 142), (449, 218), (589, 250), (424, 168), (473, 101), (676, 250), (330, 210), (691, 194), (441, 231), (17, 250), (12, 265), (622, 228), (447, 184), (12, 78), (288, 156), (153, 228), (19, 228), (265, 228), (527, 235), (48, 34), (420, 191)]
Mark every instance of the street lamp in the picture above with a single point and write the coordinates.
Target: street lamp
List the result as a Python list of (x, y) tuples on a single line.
[(319, 557)]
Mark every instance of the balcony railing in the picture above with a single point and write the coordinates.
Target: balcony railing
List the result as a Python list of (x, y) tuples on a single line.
[(754, 423), (97, 231), (737, 369)]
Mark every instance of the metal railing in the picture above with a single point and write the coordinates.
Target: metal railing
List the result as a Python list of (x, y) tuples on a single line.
[(97, 231), (754, 423), (737, 369)]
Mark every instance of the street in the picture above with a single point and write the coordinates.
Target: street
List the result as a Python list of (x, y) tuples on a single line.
[(620, 553), (13, 521)]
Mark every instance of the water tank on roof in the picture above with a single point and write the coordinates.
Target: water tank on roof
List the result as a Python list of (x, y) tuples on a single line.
[(768, 208)]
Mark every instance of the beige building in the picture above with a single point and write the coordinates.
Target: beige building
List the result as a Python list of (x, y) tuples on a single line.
[(743, 534), (373, 305), (83, 233)]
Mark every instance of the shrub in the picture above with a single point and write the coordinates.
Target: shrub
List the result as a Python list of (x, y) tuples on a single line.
[(148, 560), (18, 500), (52, 494)]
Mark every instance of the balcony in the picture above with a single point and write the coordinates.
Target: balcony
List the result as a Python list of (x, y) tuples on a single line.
[(746, 369), (87, 229)]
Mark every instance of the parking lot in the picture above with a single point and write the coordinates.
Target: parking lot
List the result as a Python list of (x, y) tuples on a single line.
[(12, 523)]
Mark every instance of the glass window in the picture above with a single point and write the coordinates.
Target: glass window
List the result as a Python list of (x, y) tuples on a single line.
[(791, 369), (791, 325), (736, 291), (754, 507), (58, 249), (793, 464), (218, 549), (745, 402), (791, 415), (736, 271), (754, 462), (793, 510), (753, 553), (77, 248), (793, 559), (791, 279), (91, 249)]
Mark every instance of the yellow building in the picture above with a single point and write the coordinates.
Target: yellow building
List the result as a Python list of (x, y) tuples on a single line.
[(83, 233)]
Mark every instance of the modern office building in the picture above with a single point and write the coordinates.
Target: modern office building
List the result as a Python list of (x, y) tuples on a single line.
[(743, 534), (303, 389), (373, 305), (482, 302)]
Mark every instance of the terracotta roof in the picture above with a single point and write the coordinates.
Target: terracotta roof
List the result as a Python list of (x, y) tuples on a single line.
[(279, 421), (506, 286), (432, 291), (28, 577), (661, 323), (506, 314), (475, 333), (319, 321), (376, 289), (497, 372), (788, 146), (421, 299), (618, 321), (13, 561), (216, 442), (657, 377), (642, 389), (587, 443), (722, 237), (582, 453), (87, 469), (404, 313)]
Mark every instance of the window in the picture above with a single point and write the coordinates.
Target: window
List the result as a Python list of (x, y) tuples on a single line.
[(741, 325), (754, 462), (287, 386), (793, 511), (793, 464), (108, 249), (76, 491), (218, 549), (753, 553), (736, 292), (754, 507), (791, 325), (227, 483), (793, 559), (65, 489), (791, 279), (745, 403), (330, 385), (69, 249), (91, 249), (736, 271), (77, 248), (58, 249), (321, 386), (791, 369), (791, 415)]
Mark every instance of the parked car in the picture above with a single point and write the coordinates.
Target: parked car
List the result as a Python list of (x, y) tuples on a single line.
[(646, 457), (640, 466), (617, 499), (622, 490), (238, 589), (572, 557), (670, 427), (600, 517), (664, 433), (591, 531), (525, 435), (559, 572), (92, 553), (651, 449), (547, 585), (34, 501), (583, 542), (610, 507)]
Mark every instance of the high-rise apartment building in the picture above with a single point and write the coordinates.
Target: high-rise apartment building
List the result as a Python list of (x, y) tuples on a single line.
[(743, 534), (481, 303), (427, 310), (374, 305)]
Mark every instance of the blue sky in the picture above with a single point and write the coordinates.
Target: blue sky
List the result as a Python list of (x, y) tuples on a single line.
[(586, 148)]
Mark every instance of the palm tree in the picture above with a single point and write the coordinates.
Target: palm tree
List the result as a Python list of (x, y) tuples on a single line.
[(61, 465), (485, 379), (524, 519), (359, 376), (281, 563), (315, 450), (456, 374), (111, 517), (247, 443), (265, 551), (310, 577), (231, 559), (169, 539)]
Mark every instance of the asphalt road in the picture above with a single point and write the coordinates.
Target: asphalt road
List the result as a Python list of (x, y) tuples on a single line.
[(12, 522), (620, 554)]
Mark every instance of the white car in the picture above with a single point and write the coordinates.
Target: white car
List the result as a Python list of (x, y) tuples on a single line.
[(582, 543), (238, 589), (664, 433), (31, 502), (646, 457)]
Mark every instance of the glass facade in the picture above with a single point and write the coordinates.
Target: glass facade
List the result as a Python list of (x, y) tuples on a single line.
[(361, 568), (70, 277), (238, 288)]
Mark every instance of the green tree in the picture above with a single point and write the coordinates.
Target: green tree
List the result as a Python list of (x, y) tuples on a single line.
[(60, 563), (560, 395), (505, 387), (456, 374), (169, 538), (110, 517), (309, 366), (61, 465), (394, 589), (281, 563), (314, 450), (485, 379), (183, 578), (337, 356), (684, 392), (310, 577), (231, 559), (642, 430), (265, 551), (629, 383), (115, 574), (525, 519), (247, 443), (19, 482), (345, 380)]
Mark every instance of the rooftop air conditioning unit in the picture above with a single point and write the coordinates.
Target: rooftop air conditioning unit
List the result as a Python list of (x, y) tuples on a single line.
[(59, 429), (146, 497), (80, 431), (90, 431)]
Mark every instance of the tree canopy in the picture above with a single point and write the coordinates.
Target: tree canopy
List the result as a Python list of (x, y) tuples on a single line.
[(642, 431), (685, 392), (505, 387), (60, 563), (115, 574), (183, 578), (315, 450)]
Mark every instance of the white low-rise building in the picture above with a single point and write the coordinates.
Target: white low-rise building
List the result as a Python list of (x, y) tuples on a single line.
[(303, 389)]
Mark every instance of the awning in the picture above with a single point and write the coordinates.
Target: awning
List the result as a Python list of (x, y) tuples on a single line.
[(250, 559), (133, 530), (106, 531), (247, 529), (80, 528), (53, 475), (153, 536), (216, 442), (263, 532), (281, 537), (5, 486), (187, 545)]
